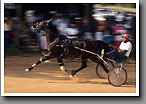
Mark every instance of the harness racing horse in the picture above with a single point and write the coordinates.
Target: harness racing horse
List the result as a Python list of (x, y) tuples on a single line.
[(60, 47)]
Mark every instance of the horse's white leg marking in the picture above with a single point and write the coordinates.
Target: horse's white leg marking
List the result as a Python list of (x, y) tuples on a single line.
[(34, 65), (62, 68), (27, 70)]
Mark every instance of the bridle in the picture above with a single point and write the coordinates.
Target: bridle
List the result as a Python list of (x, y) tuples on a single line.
[(45, 27)]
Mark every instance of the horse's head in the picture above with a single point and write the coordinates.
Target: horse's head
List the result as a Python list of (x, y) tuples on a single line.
[(46, 25)]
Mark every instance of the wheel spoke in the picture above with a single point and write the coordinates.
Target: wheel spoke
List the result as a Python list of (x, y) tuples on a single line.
[(117, 77)]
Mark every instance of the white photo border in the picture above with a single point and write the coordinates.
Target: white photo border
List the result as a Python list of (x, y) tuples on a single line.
[(70, 94)]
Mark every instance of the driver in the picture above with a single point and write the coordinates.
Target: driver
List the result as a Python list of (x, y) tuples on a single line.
[(123, 51)]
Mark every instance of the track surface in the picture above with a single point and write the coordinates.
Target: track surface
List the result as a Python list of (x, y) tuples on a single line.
[(47, 78)]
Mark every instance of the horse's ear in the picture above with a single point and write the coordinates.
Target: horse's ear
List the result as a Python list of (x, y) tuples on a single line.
[(50, 20)]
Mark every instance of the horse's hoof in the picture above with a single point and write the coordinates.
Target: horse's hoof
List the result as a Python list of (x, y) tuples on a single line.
[(70, 76), (27, 70)]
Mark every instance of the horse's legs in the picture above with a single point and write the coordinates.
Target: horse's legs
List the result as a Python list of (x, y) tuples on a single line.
[(38, 62), (61, 64), (84, 65)]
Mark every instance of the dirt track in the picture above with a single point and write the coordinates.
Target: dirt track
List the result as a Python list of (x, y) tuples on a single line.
[(47, 78)]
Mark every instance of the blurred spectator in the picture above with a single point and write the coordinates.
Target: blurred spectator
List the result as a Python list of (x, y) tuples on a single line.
[(61, 24), (71, 31), (94, 25), (89, 32), (79, 26), (7, 31), (24, 39), (103, 24), (99, 33), (120, 17), (108, 38), (43, 41), (30, 18), (110, 20), (88, 35), (117, 31)]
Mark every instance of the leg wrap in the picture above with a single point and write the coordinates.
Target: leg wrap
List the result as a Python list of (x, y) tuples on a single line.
[(62, 69), (61, 64)]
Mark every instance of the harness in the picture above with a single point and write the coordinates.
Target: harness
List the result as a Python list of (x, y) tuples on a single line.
[(65, 45), (62, 42)]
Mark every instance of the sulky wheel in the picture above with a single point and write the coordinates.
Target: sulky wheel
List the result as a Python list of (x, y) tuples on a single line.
[(100, 71), (117, 76)]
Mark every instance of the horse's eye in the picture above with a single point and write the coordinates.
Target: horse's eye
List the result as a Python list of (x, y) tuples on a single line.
[(34, 26)]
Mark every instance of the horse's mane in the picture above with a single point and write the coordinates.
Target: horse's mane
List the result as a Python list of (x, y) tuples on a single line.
[(52, 27)]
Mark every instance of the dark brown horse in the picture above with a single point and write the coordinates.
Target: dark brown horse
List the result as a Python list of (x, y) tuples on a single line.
[(60, 47)]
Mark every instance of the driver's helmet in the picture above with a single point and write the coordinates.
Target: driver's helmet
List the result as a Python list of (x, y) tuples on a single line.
[(127, 36)]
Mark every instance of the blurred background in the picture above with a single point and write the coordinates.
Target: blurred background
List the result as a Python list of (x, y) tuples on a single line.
[(105, 22)]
